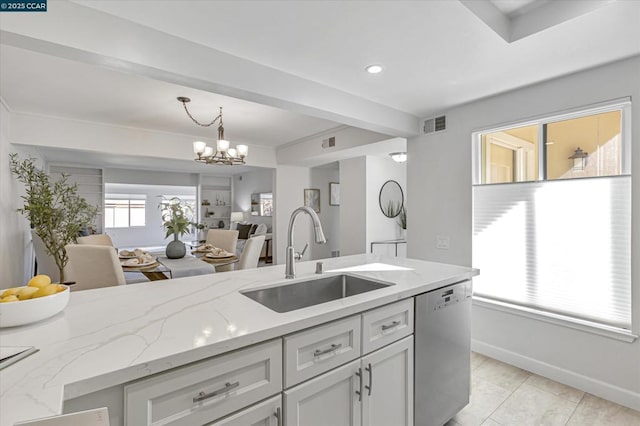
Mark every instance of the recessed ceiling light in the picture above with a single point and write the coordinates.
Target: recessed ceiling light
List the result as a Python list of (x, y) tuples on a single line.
[(399, 157), (374, 69)]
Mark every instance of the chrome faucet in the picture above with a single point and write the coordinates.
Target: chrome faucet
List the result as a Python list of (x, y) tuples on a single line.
[(290, 271)]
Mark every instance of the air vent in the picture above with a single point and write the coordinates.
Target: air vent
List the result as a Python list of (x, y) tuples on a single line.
[(328, 143), (435, 124)]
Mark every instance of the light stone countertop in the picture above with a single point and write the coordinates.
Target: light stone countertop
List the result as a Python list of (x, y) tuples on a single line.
[(114, 335)]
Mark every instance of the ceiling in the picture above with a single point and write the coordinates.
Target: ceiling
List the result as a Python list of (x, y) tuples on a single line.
[(436, 54), (69, 89)]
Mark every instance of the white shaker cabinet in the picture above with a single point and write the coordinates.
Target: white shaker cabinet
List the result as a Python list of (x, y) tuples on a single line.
[(388, 385), (267, 413), (329, 399), (374, 390)]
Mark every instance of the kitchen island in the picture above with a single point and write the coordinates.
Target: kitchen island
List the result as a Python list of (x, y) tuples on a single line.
[(109, 337)]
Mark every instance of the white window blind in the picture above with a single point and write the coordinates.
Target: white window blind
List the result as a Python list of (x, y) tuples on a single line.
[(558, 246)]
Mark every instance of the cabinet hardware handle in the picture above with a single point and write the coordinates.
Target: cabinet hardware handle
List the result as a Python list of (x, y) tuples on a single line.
[(227, 387), (385, 327), (359, 393), (333, 348), (278, 416), (370, 370)]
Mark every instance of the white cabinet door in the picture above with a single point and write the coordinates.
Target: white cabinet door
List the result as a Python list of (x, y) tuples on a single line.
[(388, 385), (267, 413), (330, 399)]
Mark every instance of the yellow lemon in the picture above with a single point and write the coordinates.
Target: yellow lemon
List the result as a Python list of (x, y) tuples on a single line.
[(26, 292), (61, 287), (39, 281), (9, 292), (10, 298), (45, 291)]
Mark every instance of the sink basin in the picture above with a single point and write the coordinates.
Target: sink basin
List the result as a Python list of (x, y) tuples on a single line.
[(289, 297)]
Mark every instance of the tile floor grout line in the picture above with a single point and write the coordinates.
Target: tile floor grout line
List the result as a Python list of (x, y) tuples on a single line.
[(576, 408), (505, 400)]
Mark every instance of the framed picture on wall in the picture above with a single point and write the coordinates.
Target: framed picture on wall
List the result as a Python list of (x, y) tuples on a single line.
[(334, 194), (312, 199)]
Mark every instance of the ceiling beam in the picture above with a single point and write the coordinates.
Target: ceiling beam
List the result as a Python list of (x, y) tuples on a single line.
[(83, 34)]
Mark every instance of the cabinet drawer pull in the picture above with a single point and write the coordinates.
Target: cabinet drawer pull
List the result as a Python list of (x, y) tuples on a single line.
[(359, 393), (278, 415), (370, 370), (386, 327), (333, 348), (227, 387)]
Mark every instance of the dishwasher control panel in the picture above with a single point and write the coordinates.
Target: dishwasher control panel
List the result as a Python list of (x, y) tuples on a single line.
[(447, 296)]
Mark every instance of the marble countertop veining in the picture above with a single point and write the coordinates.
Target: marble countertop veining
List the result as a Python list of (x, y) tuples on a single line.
[(114, 335)]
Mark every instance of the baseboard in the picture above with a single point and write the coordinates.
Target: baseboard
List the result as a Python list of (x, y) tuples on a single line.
[(595, 387)]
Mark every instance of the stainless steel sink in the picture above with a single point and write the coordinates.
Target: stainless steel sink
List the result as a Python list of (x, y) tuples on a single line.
[(289, 297)]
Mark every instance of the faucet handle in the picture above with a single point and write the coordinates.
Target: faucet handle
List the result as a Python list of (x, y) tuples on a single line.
[(299, 255)]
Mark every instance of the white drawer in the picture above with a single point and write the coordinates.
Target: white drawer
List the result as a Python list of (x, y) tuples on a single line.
[(314, 351), (267, 413), (386, 325), (206, 390)]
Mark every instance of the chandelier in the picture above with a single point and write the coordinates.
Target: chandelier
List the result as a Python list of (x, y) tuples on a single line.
[(223, 153)]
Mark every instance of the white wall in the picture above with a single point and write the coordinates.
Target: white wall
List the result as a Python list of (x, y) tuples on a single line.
[(147, 177), (439, 186), (329, 215), (353, 206), (45, 131), (245, 184), (15, 242), (309, 151), (152, 234), (290, 182), (380, 227)]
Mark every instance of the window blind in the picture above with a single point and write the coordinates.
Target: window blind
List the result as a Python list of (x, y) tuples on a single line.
[(558, 246)]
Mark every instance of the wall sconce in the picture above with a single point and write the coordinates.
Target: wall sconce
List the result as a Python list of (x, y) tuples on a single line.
[(579, 158)]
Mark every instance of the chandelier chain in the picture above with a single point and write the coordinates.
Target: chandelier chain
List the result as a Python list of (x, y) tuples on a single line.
[(184, 104)]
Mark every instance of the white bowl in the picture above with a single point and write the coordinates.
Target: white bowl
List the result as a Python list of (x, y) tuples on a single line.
[(32, 310)]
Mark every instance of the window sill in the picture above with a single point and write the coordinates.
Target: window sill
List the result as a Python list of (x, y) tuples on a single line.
[(561, 320)]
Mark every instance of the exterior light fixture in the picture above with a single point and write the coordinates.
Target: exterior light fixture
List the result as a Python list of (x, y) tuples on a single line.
[(223, 153), (579, 158), (398, 157)]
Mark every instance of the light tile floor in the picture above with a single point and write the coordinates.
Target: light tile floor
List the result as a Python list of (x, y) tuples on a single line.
[(503, 395)]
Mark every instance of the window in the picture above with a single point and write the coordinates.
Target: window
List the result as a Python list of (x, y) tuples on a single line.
[(555, 236), (120, 211)]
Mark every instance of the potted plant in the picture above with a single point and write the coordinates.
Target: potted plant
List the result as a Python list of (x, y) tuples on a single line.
[(55, 210), (176, 219), (402, 221)]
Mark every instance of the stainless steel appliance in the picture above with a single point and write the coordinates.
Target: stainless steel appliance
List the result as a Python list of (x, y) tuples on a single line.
[(442, 353)]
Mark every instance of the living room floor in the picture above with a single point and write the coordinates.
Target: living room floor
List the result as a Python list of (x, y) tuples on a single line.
[(503, 395)]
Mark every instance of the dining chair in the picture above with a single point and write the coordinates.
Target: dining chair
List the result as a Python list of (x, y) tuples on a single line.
[(94, 266), (225, 239), (251, 253), (96, 240), (46, 263)]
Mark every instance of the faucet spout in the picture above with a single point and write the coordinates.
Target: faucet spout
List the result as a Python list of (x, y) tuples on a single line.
[(290, 271)]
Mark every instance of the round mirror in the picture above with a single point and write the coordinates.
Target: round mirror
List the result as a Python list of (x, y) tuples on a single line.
[(391, 198)]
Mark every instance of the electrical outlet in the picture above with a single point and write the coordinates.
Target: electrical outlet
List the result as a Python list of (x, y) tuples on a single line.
[(442, 242)]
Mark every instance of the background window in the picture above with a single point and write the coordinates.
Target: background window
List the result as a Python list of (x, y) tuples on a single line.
[(124, 213), (596, 136), (545, 241), (510, 155)]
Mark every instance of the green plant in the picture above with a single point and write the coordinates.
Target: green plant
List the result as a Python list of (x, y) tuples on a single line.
[(392, 209), (55, 210), (176, 217), (402, 218)]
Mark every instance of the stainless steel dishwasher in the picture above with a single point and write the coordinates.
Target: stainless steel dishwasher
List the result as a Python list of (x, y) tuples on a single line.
[(442, 353)]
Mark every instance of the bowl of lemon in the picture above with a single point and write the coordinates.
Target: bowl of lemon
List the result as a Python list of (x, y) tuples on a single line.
[(38, 300)]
